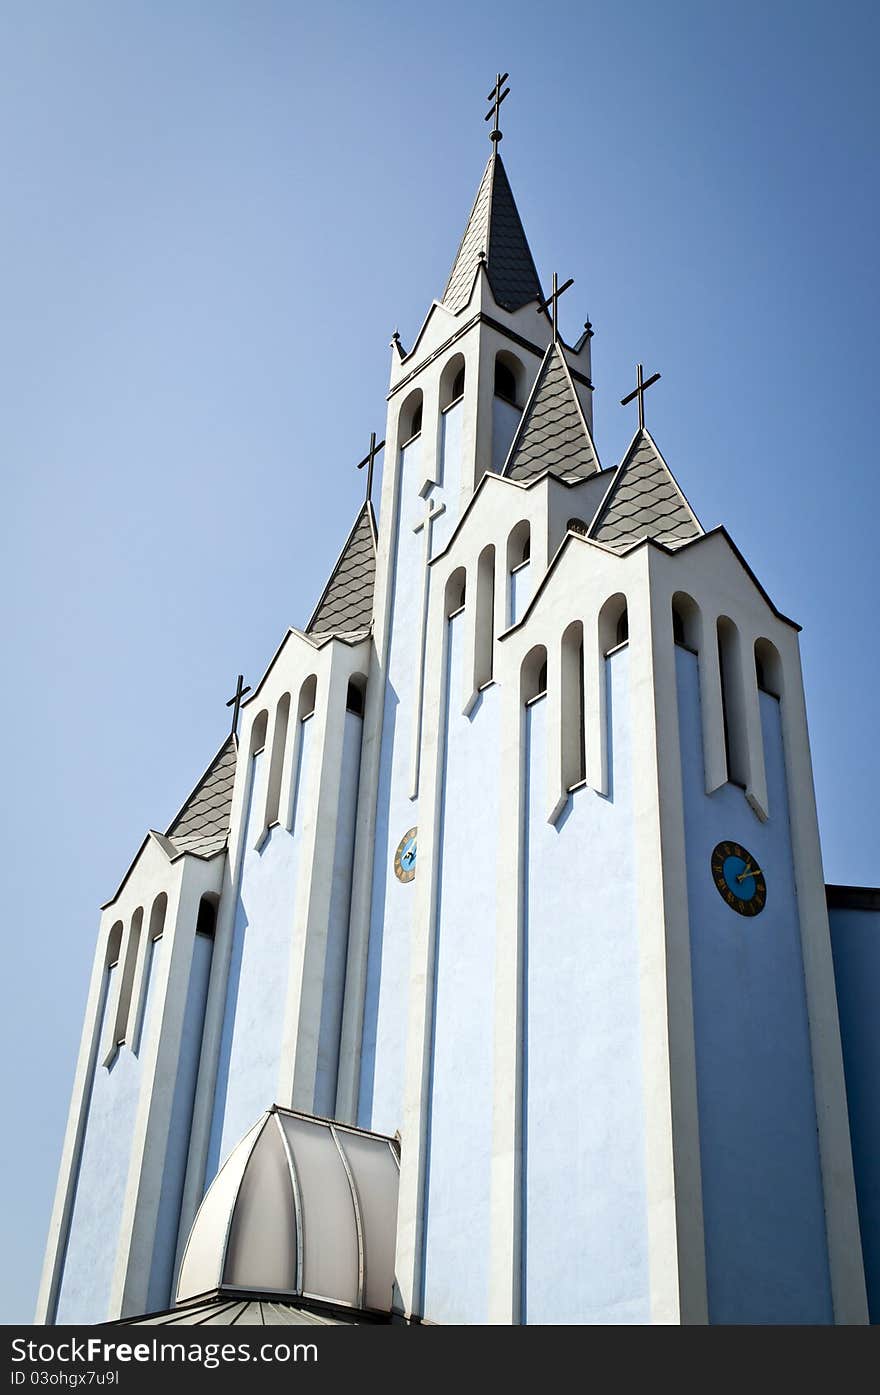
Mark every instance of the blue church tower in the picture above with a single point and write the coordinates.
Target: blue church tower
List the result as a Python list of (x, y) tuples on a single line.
[(489, 974)]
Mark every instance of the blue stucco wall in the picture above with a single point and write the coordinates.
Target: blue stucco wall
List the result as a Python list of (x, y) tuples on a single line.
[(449, 485), (505, 420), (384, 1030), (584, 1207), (855, 943), (457, 1221), (337, 929), (249, 1062), (520, 592), (93, 1236), (168, 1219), (766, 1251)]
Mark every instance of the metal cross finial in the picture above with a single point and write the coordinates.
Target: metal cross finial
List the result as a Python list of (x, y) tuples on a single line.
[(235, 701), (639, 391), (496, 97), (552, 301), (369, 460)]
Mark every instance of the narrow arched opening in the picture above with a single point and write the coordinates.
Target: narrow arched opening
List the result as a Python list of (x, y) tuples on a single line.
[(768, 668), (485, 617), (452, 381), (613, 624), (733, 701), (411, 417), (686, 621), (574, 754), (533, 674), (456, 591)]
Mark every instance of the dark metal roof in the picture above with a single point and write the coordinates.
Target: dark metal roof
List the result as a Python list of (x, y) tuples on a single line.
[(346, 605), (202, 826), (644, 501), (553, 433), (495, 229), (852, 898)]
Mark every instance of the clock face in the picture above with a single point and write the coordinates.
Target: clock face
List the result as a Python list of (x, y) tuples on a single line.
[(405, 857), (739, 878)]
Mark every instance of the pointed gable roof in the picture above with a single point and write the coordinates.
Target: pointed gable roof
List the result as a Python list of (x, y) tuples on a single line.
[(644, 501), (202, 826), (346, 605), (552, 433), (494, 228)]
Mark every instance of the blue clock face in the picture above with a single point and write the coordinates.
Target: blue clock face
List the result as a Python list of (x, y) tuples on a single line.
[(738, 878), (405, 857)]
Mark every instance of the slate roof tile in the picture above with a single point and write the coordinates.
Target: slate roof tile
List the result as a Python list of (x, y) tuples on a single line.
[(552, 434), (644, 501), (202, 826), (496, 229), (346, 605)]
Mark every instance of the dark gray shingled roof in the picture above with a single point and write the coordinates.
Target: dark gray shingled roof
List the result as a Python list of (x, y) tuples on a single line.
[(644, 501), (495, 228), (552, 433), (346, 605), (202, 826)]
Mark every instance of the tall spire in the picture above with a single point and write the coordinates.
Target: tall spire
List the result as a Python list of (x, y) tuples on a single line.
[(494, 235)]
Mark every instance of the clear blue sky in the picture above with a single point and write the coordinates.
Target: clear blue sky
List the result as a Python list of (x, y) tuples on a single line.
[(214, 216)]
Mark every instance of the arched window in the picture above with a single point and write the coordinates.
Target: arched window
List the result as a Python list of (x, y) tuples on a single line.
[(574, 755), (485, 616), (613, 623), (155, 931), (206, 922), (533, 675), (685, 621), (411, 417), (258, 732), (276, 768), (508, 375), (577, 525), (452, 382), (768, 668), (519, 550), (733, 702), (307, 696), (456, 588), (519, 546), (354, 698), (123, 1003)]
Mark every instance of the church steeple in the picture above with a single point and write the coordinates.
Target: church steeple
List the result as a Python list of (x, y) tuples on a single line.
[(494, 235)]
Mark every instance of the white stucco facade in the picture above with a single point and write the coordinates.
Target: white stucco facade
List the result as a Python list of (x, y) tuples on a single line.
[(550, 1017)]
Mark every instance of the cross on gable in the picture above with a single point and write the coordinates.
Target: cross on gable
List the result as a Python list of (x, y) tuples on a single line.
[(552, 302), (235, 701), (369, 460), (496, 97), (639, 391)]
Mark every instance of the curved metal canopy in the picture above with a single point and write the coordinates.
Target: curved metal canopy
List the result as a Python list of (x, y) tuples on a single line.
[(301, 1207)]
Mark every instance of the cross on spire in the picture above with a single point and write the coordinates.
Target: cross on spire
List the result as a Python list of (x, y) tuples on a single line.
[(235, 702), (496, 97), (552, 302), (639, 391), (369, 460)]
